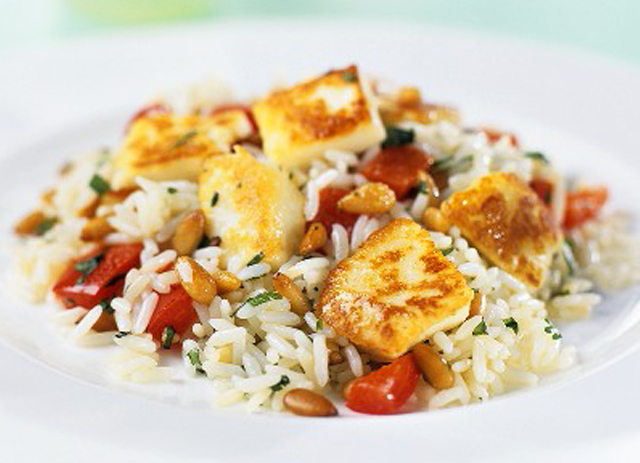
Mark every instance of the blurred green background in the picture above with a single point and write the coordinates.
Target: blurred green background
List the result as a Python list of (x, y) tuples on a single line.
[(610, 27)]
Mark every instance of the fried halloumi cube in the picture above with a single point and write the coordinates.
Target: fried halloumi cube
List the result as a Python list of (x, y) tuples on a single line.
[(334, 111), (502, 217), (395, 291), (253, 207), (170, 147)]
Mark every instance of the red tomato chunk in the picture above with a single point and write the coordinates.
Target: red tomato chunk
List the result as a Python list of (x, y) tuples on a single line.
[(494, 136), (328, 212), (398, 167), (174, 309), (97, 276), (386, 390), (584, 205)]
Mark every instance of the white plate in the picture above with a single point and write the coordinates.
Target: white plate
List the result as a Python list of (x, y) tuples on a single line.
[(62, 101)]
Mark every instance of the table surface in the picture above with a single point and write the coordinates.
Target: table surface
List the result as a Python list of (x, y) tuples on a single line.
[(604, 27)]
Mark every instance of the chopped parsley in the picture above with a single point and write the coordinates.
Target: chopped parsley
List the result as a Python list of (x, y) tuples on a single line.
[(106, 305), (167, 337), (214, 199), (480, 329), (256, 259), (185, 138), (284, 382), (552, 330), (122, 334), (537, 156), (86, 267), (171, 190), (263, 298), (99, 185), (511, 323), (447, 251), (319, 325), (350, 76), (194, 357), (46, 225), (398, 137), (422, 188)]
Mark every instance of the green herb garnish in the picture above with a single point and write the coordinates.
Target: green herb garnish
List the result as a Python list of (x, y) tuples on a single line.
[(46, 225), (106, 305), (319, 325), (214, 199), (284, 381), (511, 323), (167, 337), (194, 357), (86, 267), (99, 185), (122, 334), (480, 329), (447, 251), (263, 298), (256, 259), (350, 76), (552, 330), (172, 191), (422, 188), (398, 137), (184, 139), (537, 156)]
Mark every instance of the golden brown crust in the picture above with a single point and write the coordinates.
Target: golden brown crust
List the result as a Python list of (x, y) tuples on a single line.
[(501, 216), (396, 290)]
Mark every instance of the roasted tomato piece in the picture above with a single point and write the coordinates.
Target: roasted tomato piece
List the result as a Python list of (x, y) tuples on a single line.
[(149, 110), (174, 309), (97, 275), (386, 390), (233, 107), (398, 167), (494, 136), (584, 205), (328, 211), (543, 189)]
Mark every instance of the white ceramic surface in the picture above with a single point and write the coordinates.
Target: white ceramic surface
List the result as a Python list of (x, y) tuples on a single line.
[(74, 97)]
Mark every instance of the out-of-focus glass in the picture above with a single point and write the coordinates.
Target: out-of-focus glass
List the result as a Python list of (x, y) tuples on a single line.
[(140, 11)]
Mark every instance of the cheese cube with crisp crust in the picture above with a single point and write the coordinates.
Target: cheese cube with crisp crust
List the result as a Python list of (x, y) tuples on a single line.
[(169, 147), (506, 220), (395, 291), (253, 207), (334, 111)]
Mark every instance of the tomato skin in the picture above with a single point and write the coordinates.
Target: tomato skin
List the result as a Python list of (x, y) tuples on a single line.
[(494, 136), (543, 189), (328, 212), (174, 309), (107, 280), (584, 205), (386, 390), (149, 110), (398, 167), (232, 107)]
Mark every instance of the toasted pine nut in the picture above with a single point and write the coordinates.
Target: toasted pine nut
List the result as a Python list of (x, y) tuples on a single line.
[(370, 198), (477, 304), (434, 368), (314, 239), (95, 229), (226, 281), (106, 322), (29, 223), (308, 403), (188, 233), (409, 96), (201, 286), (89, 210), (289, 290), (435, 220), (47, 196), (113, 197), (335, 358)]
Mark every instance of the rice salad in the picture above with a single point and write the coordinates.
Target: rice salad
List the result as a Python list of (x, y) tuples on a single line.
[(339, 237)]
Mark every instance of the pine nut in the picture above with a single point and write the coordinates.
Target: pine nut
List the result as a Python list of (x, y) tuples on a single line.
[(335, 358), (89, 210), (477, 304), (47, 196), (308, 403), (370, 198), (409, 96), (201, 286), (226, 281), (96, 229), (188, 233), (28, 224), (435, 220), (106, 322), (434, 368), (314, 239), (289, 290)]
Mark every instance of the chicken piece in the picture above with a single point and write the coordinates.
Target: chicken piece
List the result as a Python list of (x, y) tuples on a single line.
[(253, 207), (169, 147), (504, 218), (334, 111), (395, 291)]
